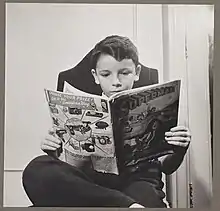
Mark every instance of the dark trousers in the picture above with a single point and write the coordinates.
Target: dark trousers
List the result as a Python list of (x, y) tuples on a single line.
[(50, 182)]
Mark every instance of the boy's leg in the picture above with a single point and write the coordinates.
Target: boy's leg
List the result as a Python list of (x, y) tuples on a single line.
[(145, 186), (146, 194), (52, 183)]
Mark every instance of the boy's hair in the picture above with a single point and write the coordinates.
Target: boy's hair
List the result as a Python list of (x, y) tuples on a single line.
[(116, 46)]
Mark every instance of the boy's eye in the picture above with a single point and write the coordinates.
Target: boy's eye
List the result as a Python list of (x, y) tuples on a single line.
[(125, 73), (104, 74)]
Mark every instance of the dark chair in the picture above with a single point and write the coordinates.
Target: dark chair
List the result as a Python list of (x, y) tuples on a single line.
[(81, 77)]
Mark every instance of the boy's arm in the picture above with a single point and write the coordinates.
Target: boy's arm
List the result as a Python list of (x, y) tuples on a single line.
[(170, 163)]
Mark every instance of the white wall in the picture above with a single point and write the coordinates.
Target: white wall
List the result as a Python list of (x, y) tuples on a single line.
[(41, 41), (149, 36)]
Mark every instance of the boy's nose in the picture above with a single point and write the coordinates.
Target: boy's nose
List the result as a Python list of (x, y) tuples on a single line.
[(116, 82)]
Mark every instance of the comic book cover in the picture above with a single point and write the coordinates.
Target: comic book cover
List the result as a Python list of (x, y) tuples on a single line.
[(83, 123), (141, 118)]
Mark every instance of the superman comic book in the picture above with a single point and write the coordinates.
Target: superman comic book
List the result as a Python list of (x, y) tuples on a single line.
[(116, 132)]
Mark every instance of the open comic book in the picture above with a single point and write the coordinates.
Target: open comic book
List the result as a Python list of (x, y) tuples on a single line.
[(117, 132)]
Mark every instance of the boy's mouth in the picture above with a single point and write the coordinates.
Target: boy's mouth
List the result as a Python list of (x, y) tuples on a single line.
[(116, 91)]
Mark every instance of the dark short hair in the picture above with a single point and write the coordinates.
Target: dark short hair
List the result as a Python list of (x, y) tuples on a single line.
[(116, 46)]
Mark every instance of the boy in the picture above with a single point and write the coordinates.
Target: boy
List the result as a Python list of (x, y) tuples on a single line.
[(51, 182)]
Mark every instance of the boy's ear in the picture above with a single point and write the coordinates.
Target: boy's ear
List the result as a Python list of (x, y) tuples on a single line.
[(95, 76), (138, 71)]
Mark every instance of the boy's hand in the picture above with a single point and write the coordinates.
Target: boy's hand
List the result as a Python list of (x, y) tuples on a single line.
[(51, 142), (179, 136)]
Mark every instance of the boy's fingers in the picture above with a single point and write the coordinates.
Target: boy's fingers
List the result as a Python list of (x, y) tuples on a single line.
[(51, 131), (46, 147), (179, 139), (51, 143), (177, 143), (53, 139), (178, 128), (179, 133), (47, 143)]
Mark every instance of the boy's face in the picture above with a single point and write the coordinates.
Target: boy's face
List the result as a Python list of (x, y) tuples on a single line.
[(114, 76)]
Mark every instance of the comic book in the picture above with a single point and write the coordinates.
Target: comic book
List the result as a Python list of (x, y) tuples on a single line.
[(118, 132)]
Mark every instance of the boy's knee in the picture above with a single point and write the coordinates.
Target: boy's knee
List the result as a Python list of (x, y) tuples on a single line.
[(36, 176), (36, 162), (41, 159), (34, 168)]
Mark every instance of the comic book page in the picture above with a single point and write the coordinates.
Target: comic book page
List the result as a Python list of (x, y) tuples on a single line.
[(141, 119), (67, 88), (83, 123)]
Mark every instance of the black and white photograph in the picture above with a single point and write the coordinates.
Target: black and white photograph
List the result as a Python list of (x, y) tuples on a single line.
[(108, 105)]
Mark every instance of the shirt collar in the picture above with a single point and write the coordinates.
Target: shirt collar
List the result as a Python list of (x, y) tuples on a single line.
[(103, 95)]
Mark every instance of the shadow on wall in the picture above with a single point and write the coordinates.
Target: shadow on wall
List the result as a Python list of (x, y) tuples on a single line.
[(211, 64)]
